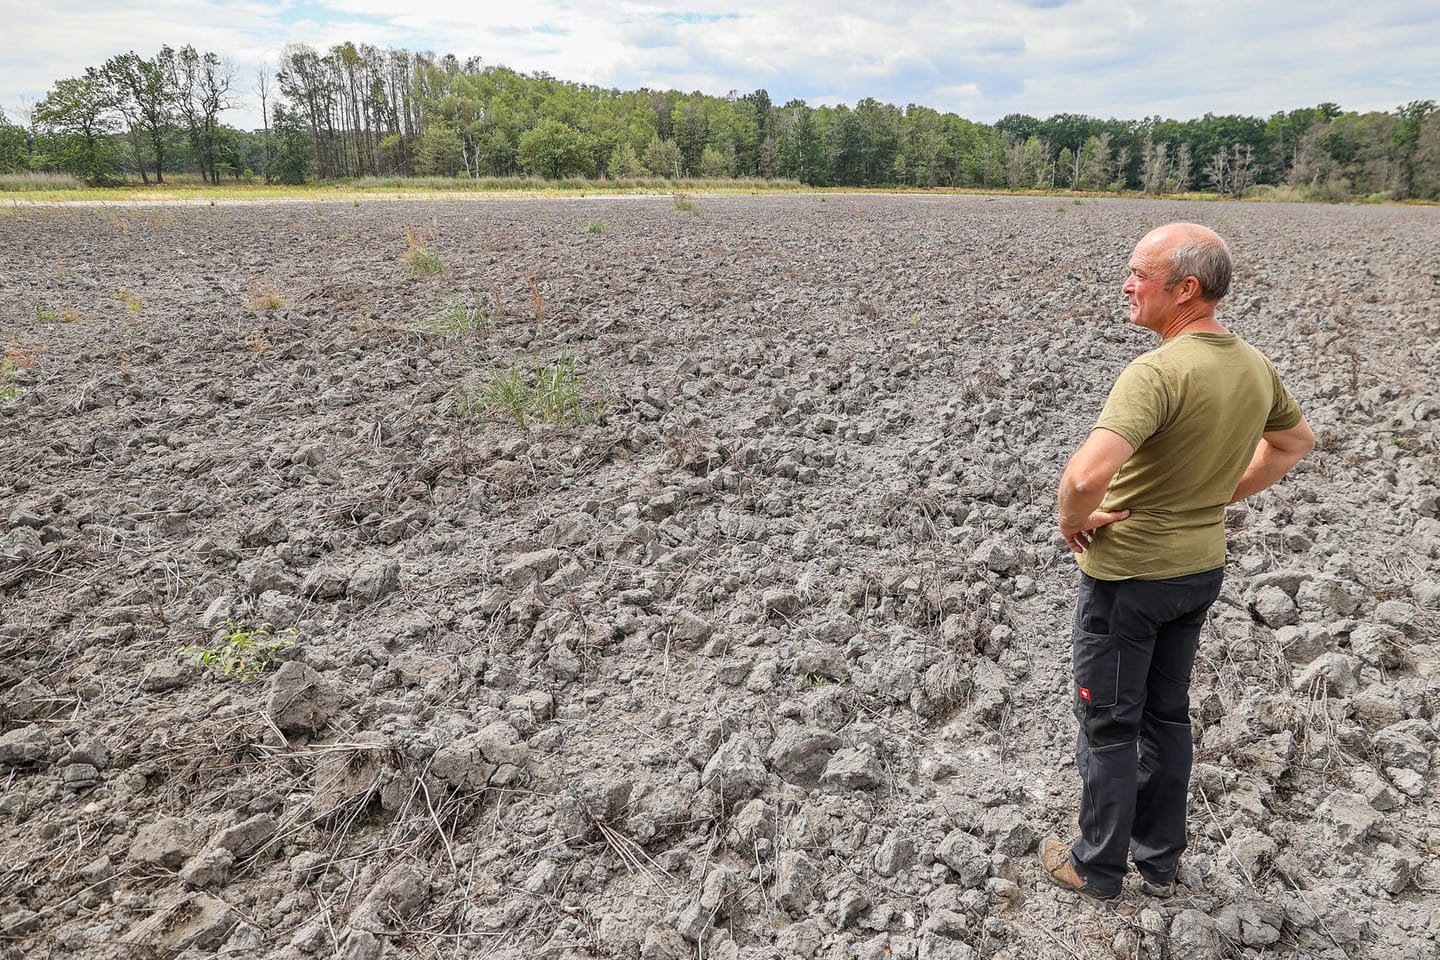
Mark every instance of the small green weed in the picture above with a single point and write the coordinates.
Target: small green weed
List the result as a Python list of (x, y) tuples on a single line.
[(684, 204), (44, 314), (595, 226), (12, 361), (418, 259), (557, 393), (459, 315), (546, 394), (129, 300), (244, 654), (10, 388)]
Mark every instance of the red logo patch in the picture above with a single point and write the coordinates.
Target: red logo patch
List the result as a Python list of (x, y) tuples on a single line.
[(1085, 693)]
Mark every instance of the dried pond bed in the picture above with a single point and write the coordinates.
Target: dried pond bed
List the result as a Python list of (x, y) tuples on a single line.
[(765, 657)]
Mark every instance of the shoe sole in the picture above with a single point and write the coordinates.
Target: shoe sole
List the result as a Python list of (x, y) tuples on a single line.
[(1090, 895), (1085, 892)]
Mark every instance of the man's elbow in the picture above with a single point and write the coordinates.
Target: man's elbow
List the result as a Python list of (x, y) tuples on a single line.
[(1304, 442), (1295, 443), (1083, 484)]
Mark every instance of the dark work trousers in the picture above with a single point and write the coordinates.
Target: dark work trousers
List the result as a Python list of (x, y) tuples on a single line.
[(1134, 648)]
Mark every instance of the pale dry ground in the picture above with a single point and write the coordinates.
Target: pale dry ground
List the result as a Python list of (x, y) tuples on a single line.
[(769, 659)]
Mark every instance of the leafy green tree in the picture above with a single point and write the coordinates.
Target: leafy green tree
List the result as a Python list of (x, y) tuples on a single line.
[(625, 162), (1064, 168), (714, 165), (1095, 164), (1405, 144), (294, 153), (77, 114), (1019, 126), (144, 93), (441, 152), (555, 149), (14, 146), (664, 159), (202, 84), (801, 150)]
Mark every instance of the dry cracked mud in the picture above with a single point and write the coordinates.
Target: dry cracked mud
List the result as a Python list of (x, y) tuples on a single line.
[(765, 657)]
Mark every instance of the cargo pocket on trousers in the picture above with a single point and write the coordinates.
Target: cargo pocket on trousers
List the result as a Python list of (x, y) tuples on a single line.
[(1097, 669)]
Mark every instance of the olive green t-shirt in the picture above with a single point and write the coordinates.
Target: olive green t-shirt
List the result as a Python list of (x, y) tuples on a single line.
[(1194, 409)]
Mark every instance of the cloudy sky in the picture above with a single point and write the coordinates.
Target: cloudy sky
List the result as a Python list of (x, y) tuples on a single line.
[(1103, 58)]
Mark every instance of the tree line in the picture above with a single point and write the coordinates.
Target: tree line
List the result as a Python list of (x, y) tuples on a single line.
[(366, 111)]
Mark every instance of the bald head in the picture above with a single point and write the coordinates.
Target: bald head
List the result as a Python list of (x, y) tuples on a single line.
[(1190, 250)]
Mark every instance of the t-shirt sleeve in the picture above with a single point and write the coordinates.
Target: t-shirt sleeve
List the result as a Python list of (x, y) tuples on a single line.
[(1138, 405), (1285, 411)]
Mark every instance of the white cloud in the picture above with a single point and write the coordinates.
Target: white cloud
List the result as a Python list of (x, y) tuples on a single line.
[(1098, 57)]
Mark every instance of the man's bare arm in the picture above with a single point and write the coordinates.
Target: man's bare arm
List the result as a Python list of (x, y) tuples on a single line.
[(1082, 486), (1275, 454)]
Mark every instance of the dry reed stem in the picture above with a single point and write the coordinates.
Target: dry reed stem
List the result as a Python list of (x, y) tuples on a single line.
[(499, 304)]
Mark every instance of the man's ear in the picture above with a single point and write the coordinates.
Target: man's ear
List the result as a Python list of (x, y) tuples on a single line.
[(1189, 289)]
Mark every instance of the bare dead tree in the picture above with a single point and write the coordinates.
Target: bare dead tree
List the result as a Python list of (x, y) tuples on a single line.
[(1242, 169), (1217, 171), (262, 88)]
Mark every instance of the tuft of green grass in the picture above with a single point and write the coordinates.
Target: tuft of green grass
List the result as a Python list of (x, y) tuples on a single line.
[(595, 226), (244, 654), (127, 299), (10, 388), (419, 259), (43, 314), (545, 394), (462, 314), (12, 361), (684, 204)]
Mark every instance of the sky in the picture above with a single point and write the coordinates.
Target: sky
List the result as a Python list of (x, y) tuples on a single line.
[(982, 60)]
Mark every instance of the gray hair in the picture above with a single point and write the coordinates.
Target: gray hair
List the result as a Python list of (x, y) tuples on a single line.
[(1208, 261)]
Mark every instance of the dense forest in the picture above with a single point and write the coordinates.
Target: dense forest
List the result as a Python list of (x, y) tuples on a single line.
[(363, 111)]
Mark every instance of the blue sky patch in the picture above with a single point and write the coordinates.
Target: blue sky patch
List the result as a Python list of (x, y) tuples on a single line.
[(677, 18)]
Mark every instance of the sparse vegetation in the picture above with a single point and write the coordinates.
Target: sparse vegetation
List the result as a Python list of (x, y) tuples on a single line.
[(12, 361), (419, 259), (243, 653), (9, 387), (544, 394), (264, 295), (34, 182), (595, 226), (684, 204), (462, 314), (129, 300)]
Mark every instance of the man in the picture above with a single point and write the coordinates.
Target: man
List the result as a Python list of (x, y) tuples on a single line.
[(1201, 421)]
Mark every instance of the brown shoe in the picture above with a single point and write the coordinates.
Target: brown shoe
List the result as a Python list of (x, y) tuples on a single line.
[(1160, 891), (1055, 859)]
